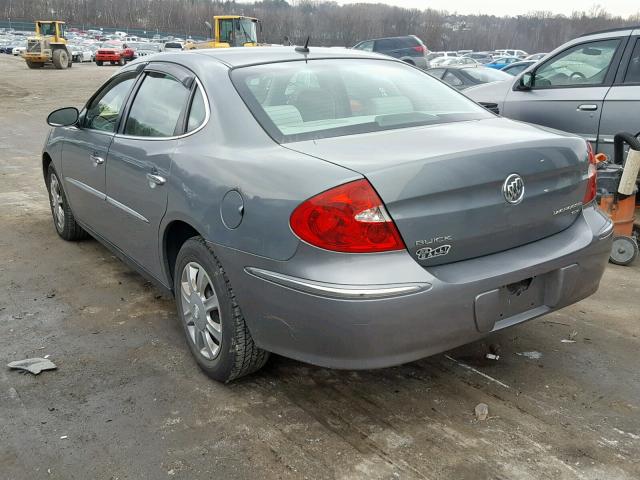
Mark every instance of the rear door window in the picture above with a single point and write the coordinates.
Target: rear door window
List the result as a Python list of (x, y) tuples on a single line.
[(452, 79), (386, 44), (366, 46), (633, 70), (197, 112), (157, 107)]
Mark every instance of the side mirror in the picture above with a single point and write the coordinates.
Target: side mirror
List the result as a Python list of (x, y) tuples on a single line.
[(63, 117), (525, 82)]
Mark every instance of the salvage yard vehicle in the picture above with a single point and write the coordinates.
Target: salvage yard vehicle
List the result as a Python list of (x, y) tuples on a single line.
[(229, 31), (501, 62), (48, 46), (114, 52), (589, 86), (365, 216), (409, 49), (466, 76)]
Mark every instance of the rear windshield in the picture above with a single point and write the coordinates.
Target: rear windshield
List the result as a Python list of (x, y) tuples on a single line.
[(300, 100)]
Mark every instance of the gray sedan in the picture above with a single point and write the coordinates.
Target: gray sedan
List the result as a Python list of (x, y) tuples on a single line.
[(333, 206)]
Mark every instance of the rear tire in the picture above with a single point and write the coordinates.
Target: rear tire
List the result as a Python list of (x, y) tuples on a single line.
[(63, 219), (60, 58), (34, 65), (213, 324), (99, 63)]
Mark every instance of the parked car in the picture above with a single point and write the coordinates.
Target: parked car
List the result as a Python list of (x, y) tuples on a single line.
[(19, 48), (480, 57), (433, 55), (146, 48), (173, 47), (516, 68), (501, 62), (536, 56), (114, 52), (409, 49), (81, 53), (300, 217), (589, 86), (465, 76), (512, 53), (450, 61)]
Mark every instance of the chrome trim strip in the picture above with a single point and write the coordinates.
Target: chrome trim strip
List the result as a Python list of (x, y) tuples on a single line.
[(86, 188), (126, 209), (338, 291)]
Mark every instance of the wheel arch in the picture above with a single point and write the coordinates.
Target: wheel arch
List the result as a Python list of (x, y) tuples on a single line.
[(175, 234), (46, 161)]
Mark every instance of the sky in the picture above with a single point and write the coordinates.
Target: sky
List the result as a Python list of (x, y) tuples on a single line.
[(512, 7)]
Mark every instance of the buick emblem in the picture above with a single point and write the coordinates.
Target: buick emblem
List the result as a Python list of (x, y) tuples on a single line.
[(513, 189)]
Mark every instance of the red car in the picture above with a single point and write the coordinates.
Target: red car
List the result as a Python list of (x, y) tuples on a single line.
[(114, 52)]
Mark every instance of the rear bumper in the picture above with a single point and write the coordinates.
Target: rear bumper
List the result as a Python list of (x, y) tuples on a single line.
[(371, 311)]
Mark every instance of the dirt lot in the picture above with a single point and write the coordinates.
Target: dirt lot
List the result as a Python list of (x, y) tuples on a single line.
[(128, 402)]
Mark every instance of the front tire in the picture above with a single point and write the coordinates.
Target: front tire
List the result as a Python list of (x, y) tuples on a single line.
[(34, 65), (213, 324), (121, 61), (63, 219), (99, 63), (60, 58)]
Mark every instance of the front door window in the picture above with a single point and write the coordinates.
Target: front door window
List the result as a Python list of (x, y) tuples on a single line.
[(585, 64)]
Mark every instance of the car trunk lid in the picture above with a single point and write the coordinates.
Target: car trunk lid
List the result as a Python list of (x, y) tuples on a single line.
[(444, 185)]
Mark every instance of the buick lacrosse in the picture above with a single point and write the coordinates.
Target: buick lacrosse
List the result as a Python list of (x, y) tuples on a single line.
[(333, 206)]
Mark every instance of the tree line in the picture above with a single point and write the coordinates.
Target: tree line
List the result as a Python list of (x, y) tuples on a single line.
[(327, 23)]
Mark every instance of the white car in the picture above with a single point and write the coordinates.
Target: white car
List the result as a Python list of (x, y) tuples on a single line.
[(18, 51), (173, 47), (81, 53), (512, 53)]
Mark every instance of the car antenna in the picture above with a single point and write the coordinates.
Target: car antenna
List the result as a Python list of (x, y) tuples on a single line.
[(304, 49)]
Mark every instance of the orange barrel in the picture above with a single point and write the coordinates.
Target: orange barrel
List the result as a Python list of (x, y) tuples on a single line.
[(621, 212)]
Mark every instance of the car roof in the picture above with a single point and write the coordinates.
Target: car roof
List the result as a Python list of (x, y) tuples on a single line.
[(390, 38), (630, 29), (244, 56)]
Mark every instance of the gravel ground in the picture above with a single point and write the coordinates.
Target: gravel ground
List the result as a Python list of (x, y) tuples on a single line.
[(128, 402)]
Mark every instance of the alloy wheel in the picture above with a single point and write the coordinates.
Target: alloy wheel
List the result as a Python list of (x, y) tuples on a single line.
[(201, 310), (57, 202)]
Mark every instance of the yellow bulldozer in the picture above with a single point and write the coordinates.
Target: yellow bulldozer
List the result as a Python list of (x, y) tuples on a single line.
[(230, 31), (48, 46)]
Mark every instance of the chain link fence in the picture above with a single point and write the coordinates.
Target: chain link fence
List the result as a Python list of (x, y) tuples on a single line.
[(27, 26)]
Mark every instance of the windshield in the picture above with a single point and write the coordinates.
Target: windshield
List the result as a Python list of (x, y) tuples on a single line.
[(47, 29), (486, 75), (238, 31), (328, 98)]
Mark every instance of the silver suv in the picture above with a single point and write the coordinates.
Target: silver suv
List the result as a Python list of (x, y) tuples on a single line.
[(589, 86)]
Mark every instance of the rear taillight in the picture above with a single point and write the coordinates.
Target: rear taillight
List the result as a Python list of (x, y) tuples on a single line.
[(420, 48), (590, 193), (349, 218)]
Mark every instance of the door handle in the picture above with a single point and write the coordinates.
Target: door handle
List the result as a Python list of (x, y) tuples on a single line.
[(155, 180), (96, 159), (588, 107)]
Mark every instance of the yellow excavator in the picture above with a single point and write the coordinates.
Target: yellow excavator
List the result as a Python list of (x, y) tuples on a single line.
[(48, 46), (230, 31)]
